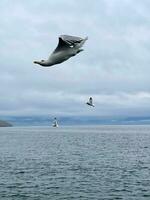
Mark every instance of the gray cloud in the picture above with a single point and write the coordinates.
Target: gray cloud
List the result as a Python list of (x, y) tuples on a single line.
[(114, 68)]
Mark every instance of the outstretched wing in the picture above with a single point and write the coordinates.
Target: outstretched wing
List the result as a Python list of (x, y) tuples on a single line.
[(67, 41), (61, 45), (90, 100), (71, 40)]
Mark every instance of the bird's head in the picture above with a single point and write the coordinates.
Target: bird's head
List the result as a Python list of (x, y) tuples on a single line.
[(42, 62)]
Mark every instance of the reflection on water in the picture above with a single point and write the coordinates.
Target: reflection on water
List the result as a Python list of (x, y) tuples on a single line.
[(95, 162)]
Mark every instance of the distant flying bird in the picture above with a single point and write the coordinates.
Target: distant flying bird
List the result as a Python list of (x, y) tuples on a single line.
[(67, 47), (55, 123), (90, 102)]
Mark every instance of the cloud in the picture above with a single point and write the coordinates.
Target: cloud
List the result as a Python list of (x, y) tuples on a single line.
[(114, 68)]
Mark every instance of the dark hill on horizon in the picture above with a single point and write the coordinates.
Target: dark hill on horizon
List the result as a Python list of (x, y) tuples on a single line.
[(5, 124)]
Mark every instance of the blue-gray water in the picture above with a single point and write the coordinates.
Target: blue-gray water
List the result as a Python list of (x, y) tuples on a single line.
[(82, 163)]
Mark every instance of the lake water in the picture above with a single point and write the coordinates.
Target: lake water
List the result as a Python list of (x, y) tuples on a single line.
[(81, 163)]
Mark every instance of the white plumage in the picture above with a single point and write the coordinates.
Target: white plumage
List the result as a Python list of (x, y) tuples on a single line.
[(67, 47)]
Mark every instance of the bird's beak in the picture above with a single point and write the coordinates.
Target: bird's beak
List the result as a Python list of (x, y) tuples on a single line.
[(35, 62)]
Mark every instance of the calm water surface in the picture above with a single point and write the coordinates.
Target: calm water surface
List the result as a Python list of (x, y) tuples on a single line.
[(82, 163)]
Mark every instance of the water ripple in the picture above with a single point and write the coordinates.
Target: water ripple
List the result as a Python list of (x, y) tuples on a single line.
[(102, 163)]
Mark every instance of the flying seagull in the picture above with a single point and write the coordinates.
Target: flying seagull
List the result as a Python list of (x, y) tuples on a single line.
[(67, 47), (90, 102), (55, 123)]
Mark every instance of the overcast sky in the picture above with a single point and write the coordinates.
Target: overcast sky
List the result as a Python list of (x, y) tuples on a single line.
[(114, 68)]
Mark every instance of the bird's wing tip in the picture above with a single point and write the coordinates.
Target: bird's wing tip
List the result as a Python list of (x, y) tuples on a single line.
[(61, 36)]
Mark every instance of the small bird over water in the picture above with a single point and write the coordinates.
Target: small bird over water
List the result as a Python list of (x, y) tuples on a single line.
[(90, 102), (67, 47), (55, 123)]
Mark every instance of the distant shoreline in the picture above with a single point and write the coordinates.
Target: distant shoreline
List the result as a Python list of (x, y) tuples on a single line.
[(5, 124)]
